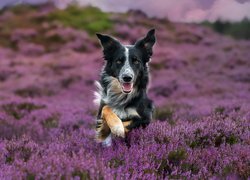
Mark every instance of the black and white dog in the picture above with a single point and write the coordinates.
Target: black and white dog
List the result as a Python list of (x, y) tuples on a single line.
[(122, 90)]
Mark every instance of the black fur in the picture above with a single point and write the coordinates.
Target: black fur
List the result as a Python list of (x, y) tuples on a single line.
[(139, 55)]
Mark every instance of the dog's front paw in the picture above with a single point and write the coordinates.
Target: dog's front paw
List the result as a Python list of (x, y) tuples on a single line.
[(118, 130), (107, 142), (102, 130)]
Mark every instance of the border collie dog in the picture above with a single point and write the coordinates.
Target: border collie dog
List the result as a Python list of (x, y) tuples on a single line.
[(122, 89)]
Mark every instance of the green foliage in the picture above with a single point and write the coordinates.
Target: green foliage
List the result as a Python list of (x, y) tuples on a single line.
[(164, 167), (52, 121), (165, 113), (83, 174), (31, 176), (175, 157), (190, 167), (19, 9), (216, 140), (227, 170), (219, 110), (33, 91), (15, 151), (9, 159), (231, 139), (24, 17), (116, 162), (149, 171), (23, 8), (157, 66), (90, 19), (238, 30), (18, 111), (164, 140)]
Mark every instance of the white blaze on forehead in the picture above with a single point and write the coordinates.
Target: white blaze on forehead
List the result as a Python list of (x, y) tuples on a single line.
[(126, 53), (126, 64), (126, 69)]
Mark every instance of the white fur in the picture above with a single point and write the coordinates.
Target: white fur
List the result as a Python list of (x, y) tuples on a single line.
[(125, 113), (132, 112), (98, 94), (127, 54), (126, 69), (118, 130), (108, 141), (114, 99)]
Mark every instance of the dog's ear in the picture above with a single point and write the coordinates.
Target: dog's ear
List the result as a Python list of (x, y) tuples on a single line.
[(147, 42), (108, 43)]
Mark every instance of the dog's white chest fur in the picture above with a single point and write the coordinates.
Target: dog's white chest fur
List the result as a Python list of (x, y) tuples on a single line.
[(125, 113)]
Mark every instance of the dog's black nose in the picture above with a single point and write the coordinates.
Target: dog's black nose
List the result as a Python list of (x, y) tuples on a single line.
[(126, 78)]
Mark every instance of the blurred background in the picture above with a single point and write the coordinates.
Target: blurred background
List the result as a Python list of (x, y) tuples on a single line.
[(200, 63), (50, 58)]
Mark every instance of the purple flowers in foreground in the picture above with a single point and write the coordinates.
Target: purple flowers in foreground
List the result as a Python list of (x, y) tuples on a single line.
[(216, 146), (199, 83)]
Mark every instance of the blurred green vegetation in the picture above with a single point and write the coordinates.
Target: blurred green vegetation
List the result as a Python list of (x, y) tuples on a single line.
[(25, 16), (52, 121), (90, 19), (19, 9), (165, 113), (238, 30), (18, 111)]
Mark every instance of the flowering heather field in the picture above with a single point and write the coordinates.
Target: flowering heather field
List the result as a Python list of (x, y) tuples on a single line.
[(49, 60)]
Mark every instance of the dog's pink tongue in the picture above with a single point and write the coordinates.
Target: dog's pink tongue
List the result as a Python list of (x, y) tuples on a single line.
[(127, 87)]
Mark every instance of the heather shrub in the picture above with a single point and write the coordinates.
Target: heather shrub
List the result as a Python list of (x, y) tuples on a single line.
[(51, 121), (22, 150), (19, 110), (164, 113), (34, 91), (65, 83), (157, 66), (175, 157), (49, 61)]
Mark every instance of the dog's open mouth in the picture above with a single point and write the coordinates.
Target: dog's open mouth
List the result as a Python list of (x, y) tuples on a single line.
[(127, 87)]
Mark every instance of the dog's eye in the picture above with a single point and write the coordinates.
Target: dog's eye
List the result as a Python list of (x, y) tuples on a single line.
[(118, 62), (135, 60)]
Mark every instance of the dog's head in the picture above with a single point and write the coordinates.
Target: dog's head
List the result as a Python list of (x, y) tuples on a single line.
[(127, 62)]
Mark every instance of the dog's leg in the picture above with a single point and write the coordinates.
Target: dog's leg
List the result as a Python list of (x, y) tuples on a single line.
[(126, 125), (104, 133), (113, 121), (102, 130), (108, 141)]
